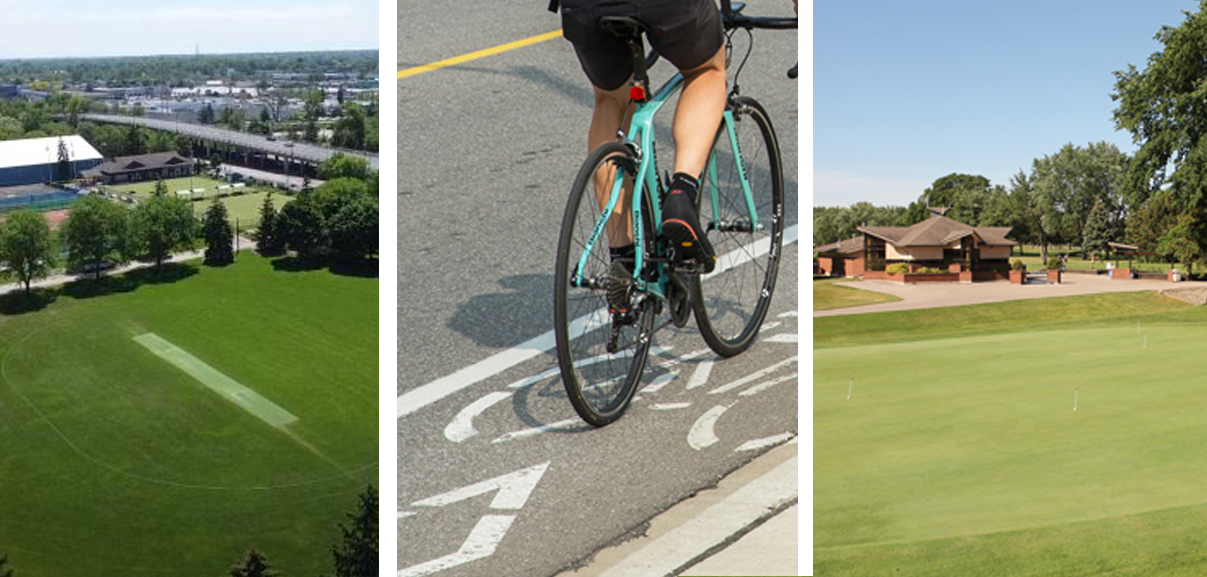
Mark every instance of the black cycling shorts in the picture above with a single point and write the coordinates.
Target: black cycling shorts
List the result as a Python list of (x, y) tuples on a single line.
[(686, 32)]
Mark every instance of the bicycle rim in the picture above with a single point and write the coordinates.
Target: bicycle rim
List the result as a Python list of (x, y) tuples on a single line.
[(731, 302), (600, 383)]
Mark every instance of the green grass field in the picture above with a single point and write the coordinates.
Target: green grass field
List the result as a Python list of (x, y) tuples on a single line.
[(959, 452), (829, 294), (117, 462), (144, 189), (245, 208)]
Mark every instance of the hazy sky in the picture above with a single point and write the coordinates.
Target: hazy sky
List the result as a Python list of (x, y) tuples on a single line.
[(907, 92), (40, 28)]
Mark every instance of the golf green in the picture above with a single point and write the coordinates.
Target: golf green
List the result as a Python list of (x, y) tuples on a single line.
[(964, 455), (117, 461)]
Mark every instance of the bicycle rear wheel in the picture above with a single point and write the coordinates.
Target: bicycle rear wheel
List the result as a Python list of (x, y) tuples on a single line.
[(601, 355), (731, 302)]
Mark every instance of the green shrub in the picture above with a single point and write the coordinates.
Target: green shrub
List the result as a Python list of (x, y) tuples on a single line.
[(1018, 265), (930, 270), (1055, 263), (897, 268)]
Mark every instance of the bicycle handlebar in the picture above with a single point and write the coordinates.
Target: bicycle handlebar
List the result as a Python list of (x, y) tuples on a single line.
[(732, 18)]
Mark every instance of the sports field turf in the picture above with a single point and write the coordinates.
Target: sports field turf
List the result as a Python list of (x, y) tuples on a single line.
[(842, 293), (959, 452), (116, 461)]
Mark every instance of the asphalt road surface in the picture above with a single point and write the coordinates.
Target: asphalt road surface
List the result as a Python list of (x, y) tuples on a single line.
[(497, 476)]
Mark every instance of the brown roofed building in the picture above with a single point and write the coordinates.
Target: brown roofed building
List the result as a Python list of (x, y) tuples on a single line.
[(141, 167), (938, 242)]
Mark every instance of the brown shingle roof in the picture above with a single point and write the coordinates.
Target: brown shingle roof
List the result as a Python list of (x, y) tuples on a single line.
[(143, 162), (843, 247), (939, 231)]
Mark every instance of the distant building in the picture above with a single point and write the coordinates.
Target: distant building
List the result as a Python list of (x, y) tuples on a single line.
[(34, 160), (141, 167)]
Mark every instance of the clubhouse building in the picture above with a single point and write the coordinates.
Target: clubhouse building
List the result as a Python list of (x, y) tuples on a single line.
[(962, 252), (154, 166)]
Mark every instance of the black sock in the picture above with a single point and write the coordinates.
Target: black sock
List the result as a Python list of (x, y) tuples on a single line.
[(687, 183)]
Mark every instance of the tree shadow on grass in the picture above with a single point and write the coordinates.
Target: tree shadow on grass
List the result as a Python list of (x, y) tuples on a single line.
[(367, 268), (20, 302), (90, 287), (299, 264)]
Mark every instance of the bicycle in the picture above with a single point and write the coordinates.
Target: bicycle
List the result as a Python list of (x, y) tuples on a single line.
[(602, 354)]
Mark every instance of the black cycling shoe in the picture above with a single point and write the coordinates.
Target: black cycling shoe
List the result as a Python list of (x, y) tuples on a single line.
[(681, 225)]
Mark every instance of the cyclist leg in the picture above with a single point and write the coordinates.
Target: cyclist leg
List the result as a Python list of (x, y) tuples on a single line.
[(609, 112), (698, 113)]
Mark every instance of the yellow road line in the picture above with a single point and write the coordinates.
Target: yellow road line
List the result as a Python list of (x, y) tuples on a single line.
[(479, 54)]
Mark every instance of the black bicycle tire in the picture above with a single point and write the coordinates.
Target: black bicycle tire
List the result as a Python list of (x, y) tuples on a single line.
[(728, 346), (567, 260)]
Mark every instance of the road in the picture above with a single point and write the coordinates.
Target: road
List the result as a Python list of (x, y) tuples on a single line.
[(497, 476)]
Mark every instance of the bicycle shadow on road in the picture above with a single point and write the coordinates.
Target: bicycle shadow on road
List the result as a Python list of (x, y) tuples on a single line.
[(501, 320)]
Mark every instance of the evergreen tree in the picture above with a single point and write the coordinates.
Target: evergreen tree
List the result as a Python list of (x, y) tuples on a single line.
[(63, 166), (25, 246), (254, 564), (1098, 231), (219, 238), (5, 570), (268, 237), (356, 555)]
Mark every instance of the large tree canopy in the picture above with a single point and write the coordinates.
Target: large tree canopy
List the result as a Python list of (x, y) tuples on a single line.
[(1164, 107)]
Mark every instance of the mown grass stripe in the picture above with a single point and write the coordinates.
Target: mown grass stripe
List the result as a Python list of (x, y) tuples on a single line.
[(228, 388)]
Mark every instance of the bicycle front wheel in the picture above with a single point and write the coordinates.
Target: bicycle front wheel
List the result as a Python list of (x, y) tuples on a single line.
[(601, 354), (747, 232)]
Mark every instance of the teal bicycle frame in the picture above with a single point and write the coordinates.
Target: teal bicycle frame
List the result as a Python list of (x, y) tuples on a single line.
[(640, 140)]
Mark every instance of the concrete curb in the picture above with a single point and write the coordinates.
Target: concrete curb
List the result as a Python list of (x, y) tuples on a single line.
[(746, 526)]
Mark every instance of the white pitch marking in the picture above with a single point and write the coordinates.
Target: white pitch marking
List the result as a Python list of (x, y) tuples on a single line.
[(788, 314), (514, 489), (700, 375), (752, 377), (462, 426), (702, 434), (660, 382), (766, 385), (566, 425), (424, 395), (670, 406), (756, 444), (785, 338), (481, 543)]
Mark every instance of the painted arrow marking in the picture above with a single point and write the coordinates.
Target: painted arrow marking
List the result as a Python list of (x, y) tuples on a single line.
[(702, 433), (513, 491)]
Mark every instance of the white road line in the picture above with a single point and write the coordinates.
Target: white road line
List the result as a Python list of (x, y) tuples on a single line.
[(462, 426), (788, 314), (756, 444), (700, 376), (513, 489), (784, 338), (770, 325), (405, 514), (481, 543), (767, 385), (670, 406), (702, 434), (752, 377), (424, 395), (660, 382), (566, 425), (713, 526)]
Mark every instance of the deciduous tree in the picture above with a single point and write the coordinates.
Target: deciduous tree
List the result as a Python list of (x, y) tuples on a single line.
[(96, 232), (25, 246)]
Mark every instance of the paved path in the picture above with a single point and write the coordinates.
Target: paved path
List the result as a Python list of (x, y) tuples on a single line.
[(930, 295)]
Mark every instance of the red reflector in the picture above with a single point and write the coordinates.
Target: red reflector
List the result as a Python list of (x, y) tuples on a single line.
[(637, 93)]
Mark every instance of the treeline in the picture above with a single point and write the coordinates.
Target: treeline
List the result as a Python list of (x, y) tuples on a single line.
[(184, 70), (1074, 196)]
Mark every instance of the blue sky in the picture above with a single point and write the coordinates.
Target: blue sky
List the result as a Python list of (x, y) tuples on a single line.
[(41, 28), (907, 92)]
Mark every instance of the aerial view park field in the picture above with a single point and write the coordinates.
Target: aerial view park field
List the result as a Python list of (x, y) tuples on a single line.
[(166, 423)]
